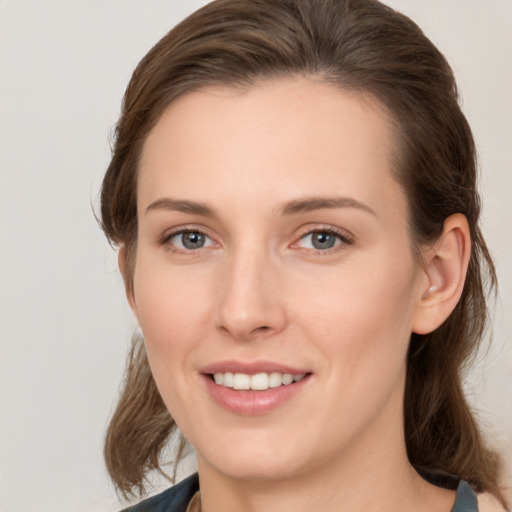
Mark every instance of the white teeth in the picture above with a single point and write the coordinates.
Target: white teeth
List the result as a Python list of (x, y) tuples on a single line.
[(259, 381), (287, 378), (256, 382), (227, 380), (275, 380), (241, 381)]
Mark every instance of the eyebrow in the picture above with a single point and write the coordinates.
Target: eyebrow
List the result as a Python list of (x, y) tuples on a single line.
[(303, 205), (309, 204), (181, 205)]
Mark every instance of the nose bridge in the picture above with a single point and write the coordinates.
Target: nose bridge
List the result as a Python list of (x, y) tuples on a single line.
[(248, 300)]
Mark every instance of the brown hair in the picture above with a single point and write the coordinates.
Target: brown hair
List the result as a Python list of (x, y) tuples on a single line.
[(357, 45)]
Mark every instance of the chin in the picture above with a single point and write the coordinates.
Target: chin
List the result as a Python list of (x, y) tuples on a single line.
[(254, 459), (257, 469)]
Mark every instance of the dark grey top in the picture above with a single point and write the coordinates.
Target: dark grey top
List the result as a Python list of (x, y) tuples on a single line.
[(466, 499), (177, 498)]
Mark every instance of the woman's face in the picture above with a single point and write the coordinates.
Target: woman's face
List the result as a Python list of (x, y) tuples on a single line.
[(273, 246)]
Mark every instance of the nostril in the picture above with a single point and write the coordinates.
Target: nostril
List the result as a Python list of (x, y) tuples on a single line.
[(263, 328)]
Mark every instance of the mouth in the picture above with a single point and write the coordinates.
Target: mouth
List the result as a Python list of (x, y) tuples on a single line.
[(255, 382), (254, 388)]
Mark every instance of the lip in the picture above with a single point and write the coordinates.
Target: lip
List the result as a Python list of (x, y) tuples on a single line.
[(251, 367), (250, 402)]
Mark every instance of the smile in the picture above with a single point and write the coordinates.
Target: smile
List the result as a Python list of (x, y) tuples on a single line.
[(256, 382), (255, 387)]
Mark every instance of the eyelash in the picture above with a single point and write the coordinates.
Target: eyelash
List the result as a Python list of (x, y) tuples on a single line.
[(343, 238), (167, 237)]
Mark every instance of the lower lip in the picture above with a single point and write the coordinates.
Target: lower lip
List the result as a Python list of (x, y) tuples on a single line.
[(252, 403)]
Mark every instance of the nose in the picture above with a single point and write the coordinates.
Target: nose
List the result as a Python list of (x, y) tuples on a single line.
[(250, 302)]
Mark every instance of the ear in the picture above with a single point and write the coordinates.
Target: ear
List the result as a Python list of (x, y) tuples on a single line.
[(446, 265), (128, 280)]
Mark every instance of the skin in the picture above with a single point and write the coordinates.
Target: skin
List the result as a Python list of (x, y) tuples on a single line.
[(260, 290)]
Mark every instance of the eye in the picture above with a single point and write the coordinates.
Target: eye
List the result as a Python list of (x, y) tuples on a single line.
[(189, 240), (323, 240)]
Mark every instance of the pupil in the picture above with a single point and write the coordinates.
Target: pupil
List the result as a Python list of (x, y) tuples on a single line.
[(193, 240), (322, 240)]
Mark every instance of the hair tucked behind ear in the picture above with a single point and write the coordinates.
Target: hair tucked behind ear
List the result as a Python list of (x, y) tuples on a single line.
[(360, 46)]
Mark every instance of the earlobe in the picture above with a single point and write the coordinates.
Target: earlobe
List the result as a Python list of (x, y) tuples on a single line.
[(446, 265), (128, 282)]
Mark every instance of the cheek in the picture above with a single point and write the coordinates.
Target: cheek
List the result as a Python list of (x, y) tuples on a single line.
[(362, 317), (171, 312), (170, 318), (168, 301), (362, 294)]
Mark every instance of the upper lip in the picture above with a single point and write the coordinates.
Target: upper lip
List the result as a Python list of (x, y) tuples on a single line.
[(251, 367)]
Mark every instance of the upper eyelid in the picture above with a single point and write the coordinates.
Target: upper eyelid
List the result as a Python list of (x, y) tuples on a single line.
[(300, 233), (341, 240), (165, 239), (345, 240), (342, 233), (169, 233)]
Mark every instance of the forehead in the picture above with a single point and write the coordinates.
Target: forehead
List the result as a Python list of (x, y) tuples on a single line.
[(277, 138)]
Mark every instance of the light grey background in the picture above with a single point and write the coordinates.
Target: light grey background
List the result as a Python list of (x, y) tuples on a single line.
[(64, 325)]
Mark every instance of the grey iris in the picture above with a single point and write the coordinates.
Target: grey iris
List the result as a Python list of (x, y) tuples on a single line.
[(322, 240), (192, 240)]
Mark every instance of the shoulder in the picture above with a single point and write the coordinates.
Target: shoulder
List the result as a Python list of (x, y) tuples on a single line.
[(174, 499), (488, 503)]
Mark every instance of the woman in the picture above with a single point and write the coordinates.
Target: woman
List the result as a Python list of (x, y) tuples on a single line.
[(292, 191)]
